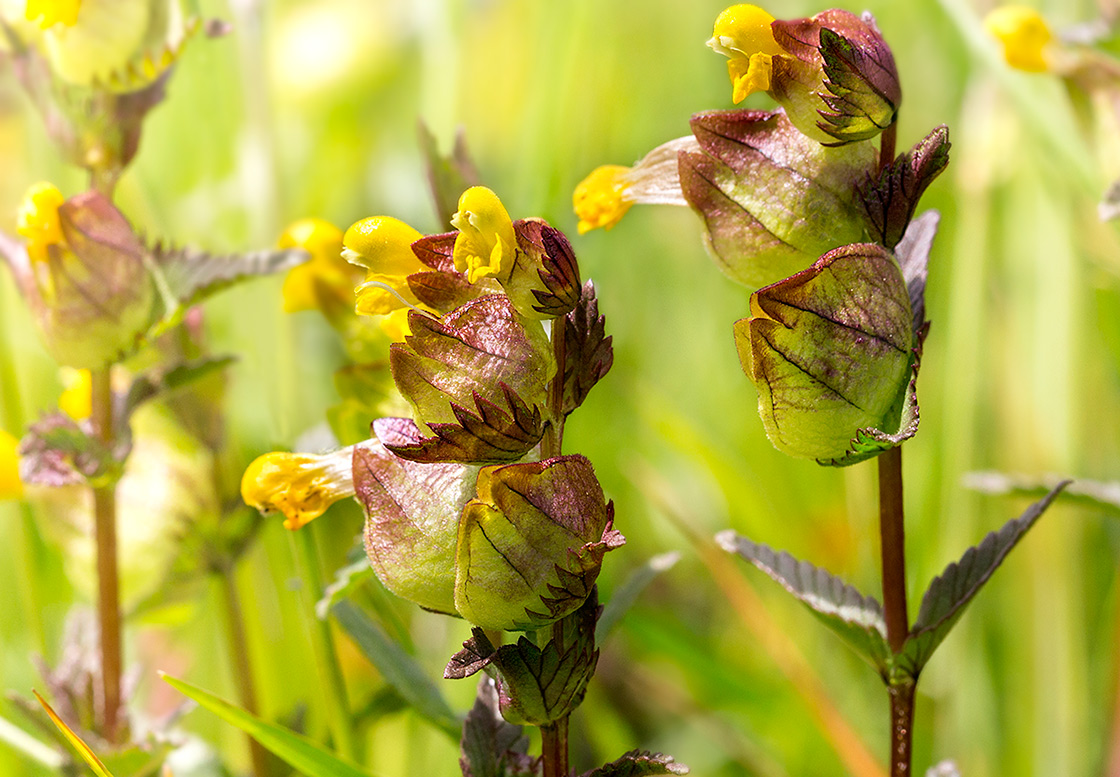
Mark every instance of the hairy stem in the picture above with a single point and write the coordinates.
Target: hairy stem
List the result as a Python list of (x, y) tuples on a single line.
[(902, 725), (242, 670), (893, 552), (322, 645), (108, 578)]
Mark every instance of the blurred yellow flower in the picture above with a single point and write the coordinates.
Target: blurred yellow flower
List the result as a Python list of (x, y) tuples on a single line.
[(486, 242), (48, 13), (598, 200), (395, 325), (11, 487), (300, 485), (603, 197), (327, 273), (742, 34), (1024, 35), (37, 219), (382, 245), (76, 399)]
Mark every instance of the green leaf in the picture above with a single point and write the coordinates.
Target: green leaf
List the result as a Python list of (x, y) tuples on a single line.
[(398, 668), (628, 593), (890, 200), (490, 746), (298, 751), (857, 619), (637, 763), (449, 176), (346, 580), (949, 593), (588, 348), (83, 749), (186, 276), (1099, 494)]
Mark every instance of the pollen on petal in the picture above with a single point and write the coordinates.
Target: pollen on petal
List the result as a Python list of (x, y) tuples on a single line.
[(598, 199), (11, 487), (486, 242), (300, 485), (1024, 35), (37, 219)]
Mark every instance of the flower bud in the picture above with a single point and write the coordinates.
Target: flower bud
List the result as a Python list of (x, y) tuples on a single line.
[(771, 198), (830, 351), (544, 282), (531, 543), (83, 275)]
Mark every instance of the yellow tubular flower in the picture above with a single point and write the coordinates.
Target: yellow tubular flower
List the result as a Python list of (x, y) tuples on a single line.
[(486, 242), (76, 399), (37, 219), (742, 34), (326, 271), (395, 325), (51, 12), (11, 487), (300, 485), (382, 245), (1024, 34), (599, 198)]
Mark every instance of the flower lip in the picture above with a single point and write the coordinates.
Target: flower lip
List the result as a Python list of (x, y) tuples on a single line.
[(486, 243)]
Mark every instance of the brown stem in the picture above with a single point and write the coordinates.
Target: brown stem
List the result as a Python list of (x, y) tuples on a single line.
[(902, 725), (554, 437), (886, 145), (893, 550), (892, 547), (108, 590), (242, 670), (554, 748)]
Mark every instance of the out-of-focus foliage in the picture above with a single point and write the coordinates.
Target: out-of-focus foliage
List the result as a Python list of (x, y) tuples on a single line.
[(311, 108)]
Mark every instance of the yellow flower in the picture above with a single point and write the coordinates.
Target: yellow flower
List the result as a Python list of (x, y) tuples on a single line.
[(37, 220), (48, 13), (382, 245), (742, 33), (598, 199), (486, 242), (1024, 34), (395, 325), (11, 487), (603, 197), (77, 398), (326, 272), (300, 485)]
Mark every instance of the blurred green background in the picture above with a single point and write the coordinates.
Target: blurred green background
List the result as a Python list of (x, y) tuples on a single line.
[(311, 108)]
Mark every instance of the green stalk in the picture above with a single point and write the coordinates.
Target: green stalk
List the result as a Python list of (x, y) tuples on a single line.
[(322, 645), (108, 578), (554, 748), (893, 553), (242, 670)]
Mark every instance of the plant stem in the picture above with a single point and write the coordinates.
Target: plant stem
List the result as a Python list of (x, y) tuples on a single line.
[(886, 145), (893, 552), (892, 547), (108, 579), (242, 670), (322, 645), (554, 748)]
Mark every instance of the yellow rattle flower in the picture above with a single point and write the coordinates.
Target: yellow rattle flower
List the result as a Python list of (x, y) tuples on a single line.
[(300, 485), (742, 33), (1024, 35), (486, 242)]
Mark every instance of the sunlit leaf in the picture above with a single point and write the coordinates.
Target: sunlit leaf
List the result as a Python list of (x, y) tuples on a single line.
[(297, 750), (857, 619), (949, 593)]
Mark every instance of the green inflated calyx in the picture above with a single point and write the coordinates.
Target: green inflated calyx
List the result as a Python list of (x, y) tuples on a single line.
[(531, 543), (831, 352)]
